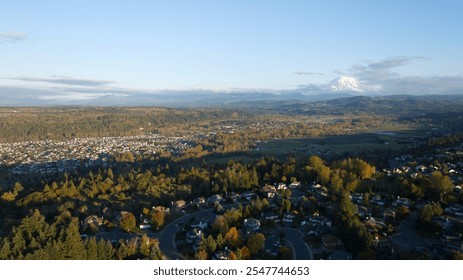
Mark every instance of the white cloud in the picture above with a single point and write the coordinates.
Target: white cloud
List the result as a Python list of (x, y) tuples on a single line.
[(379, 75), (12, 37), (63, 80), (379, 78), (78, 96), (304, 73)]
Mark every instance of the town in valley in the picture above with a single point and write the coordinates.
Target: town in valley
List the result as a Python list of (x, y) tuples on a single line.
[(246, 185)]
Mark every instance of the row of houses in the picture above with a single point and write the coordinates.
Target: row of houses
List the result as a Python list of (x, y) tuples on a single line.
[(41, 156)]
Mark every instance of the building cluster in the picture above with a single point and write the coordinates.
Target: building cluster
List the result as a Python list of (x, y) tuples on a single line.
[(60, 156)]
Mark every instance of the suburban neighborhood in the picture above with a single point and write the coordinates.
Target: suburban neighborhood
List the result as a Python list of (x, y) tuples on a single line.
[(273, 211)]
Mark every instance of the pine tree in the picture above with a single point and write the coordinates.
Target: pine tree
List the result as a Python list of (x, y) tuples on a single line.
[(91, 248), (220, 241), (106, 250), (5, 250), (211, 244)]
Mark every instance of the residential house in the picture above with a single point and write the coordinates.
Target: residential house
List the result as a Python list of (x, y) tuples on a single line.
[(233, 197), (363, 211), (272, 246), (161, 209), (199, 201), (215, 199), (456, 209), (457, 189), (93, 221), (145, 226), (288, 217), (331, 242), (377, 200), (388, 213), (315, 187), (222, 254), (193, 235), (294, 185), (373, 225), (356, 198), (248, 195), (421, 168), (448, 235), (178, 205), (402, 201), (443, 222), (251, 224), (269, 216), (201, 224), (269, 191), (318, 220)]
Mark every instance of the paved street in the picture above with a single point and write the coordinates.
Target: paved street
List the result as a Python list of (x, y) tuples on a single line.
[(300, 249), (167, 245), (407, 238), (167, 235)]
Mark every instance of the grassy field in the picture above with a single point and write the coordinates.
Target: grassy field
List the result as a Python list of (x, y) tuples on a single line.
[(368, 145), (371, 142)]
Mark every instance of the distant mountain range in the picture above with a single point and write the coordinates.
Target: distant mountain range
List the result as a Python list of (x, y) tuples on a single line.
[(171, 98), (383, 105), (346, 93)]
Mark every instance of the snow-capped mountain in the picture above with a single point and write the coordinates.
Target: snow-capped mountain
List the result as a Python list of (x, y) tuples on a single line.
[(345, 84)]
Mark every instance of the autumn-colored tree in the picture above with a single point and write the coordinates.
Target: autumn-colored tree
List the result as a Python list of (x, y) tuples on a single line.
[(256, 243), (429, 211), (315, 161), (157, 219), (245, 254), (323, 174), (9, 196), (233, 238), (220, 225), (201, 255), (440, 185), (128, 222), (232, 256), (402, 212)]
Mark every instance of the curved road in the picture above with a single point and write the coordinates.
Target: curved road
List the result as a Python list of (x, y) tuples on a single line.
[(167, 235), (301, 251), (407, 238)]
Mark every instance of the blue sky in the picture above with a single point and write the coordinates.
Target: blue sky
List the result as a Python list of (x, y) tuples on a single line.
[(223, 45)]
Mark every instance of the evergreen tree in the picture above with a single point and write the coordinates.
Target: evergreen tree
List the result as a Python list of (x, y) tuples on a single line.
[(5, 250), (256, 243), (72, 244)]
